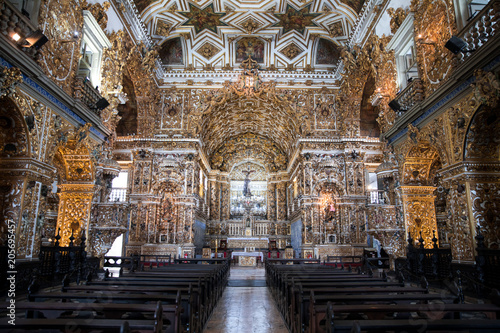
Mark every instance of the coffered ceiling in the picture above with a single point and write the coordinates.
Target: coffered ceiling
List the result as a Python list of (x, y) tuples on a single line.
[(219, 35)]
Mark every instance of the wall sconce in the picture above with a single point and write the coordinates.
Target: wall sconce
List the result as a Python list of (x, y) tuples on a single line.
[(423, 41), (74, 40), (457, 45), (16, 37)]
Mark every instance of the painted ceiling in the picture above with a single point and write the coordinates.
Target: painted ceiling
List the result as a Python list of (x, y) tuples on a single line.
[(296, 45), (292, 36)]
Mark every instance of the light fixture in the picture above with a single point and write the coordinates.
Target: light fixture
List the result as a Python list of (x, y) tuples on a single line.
[(457, 45), (16, 36), (394, 105), (101, 104), (423, 41), (74, 40), (36, 39)]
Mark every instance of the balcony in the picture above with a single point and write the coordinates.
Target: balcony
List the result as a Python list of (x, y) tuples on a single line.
[(88, 95), (378, 198), (19, 29), (481, 28), (410, 96), (118, 194)]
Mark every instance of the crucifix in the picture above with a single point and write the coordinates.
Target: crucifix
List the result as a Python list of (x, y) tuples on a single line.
[(246, 187)]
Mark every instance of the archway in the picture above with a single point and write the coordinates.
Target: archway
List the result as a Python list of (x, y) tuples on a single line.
[(14, 144), (368, 125), (482, 150)]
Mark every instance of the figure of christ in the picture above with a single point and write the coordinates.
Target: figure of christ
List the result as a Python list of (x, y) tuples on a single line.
[(246, 187)]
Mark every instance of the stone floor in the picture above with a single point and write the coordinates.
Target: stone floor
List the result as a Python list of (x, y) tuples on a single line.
[(246, 309)]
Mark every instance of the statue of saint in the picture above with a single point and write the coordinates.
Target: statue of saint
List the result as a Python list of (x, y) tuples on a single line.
[(246, 184)]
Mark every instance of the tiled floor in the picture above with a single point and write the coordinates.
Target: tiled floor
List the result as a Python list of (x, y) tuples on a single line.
[(246, 309)]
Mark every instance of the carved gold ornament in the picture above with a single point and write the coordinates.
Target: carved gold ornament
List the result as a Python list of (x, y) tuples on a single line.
[(10, 78), (208, 50), (486, 88), (291, 51)]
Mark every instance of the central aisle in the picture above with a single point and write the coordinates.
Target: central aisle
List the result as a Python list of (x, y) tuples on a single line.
[(244, 309)]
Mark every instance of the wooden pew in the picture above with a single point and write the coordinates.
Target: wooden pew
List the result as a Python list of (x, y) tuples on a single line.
[(417, 325), (90, 325)]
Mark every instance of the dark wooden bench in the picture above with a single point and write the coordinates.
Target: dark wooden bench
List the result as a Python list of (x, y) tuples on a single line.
[(417, 325), (90, 324)]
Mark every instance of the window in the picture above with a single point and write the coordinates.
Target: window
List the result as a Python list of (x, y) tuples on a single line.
[(119, 187), (28, 8), (403, 44), (94, 41), (465, 10)]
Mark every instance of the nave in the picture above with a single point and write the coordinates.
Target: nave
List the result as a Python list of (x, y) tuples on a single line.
[(246, 305), (287, 295)]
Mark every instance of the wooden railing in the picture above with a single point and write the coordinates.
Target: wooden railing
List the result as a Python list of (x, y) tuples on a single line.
[(410, 96), (56, 261), (12, 21), (487, 263), (433, 263), (87, 94), (481, 28)]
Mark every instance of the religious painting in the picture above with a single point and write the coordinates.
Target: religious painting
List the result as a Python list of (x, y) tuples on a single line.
[(142, 4), (250, 47), (202, 19), (171, 52), (296, 20), (357, 5), (327, 52)]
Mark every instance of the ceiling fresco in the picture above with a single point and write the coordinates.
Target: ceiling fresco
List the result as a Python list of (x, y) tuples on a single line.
[(202, 19), (216, 34), (296, 20)]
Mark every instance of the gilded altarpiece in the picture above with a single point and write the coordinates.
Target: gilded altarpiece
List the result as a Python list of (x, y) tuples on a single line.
[(75, 201), (420, 212)]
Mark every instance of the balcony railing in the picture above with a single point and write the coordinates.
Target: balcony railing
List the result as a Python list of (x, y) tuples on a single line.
[(410, 96), (17, 27), (118, 194), (481, 28), (377, 197), (87, 94)]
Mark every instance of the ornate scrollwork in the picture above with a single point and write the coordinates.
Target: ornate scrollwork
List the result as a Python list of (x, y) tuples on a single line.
[(10, 78)]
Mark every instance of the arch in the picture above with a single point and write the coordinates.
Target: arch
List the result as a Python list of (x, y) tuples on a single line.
[(14, 132), (326, 183), (171, 52), (482, 139), (327, 52), (368, 125), (127, 125), (239, 148), (269, 118)]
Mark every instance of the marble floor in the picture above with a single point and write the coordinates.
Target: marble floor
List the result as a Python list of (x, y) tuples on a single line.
[(246, 309)]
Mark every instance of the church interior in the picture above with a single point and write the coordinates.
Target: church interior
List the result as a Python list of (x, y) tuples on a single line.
[(360, 136)]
